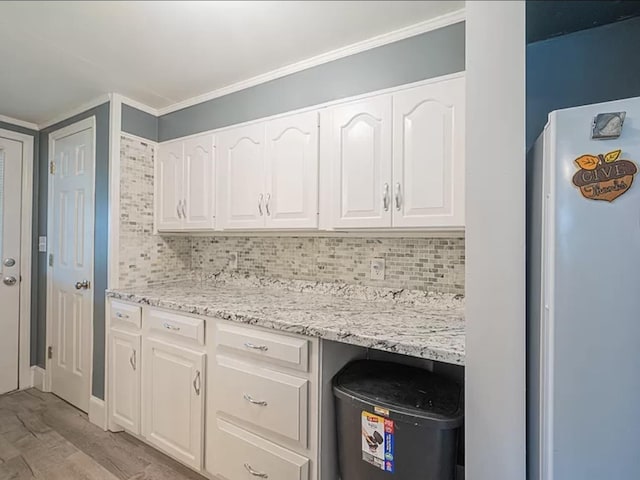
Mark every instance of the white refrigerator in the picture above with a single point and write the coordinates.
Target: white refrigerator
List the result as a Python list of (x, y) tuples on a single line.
[(583, 244)]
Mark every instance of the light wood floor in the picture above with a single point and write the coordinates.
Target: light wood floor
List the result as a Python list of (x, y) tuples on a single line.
[(44, 437)]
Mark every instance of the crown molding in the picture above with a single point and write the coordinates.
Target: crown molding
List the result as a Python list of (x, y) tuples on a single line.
[(138, 105), (82, 108), (386, 38), (18, 123)]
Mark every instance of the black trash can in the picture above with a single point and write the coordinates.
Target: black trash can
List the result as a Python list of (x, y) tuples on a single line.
[(396, 422)]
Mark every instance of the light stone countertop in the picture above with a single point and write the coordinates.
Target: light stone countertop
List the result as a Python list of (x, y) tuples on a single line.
[(412, 323)]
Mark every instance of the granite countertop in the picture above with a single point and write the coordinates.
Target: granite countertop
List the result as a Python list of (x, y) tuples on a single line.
[(413, 323)]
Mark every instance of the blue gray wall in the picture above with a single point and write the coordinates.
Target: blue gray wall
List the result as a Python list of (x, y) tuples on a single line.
[(101, 113), (429, 55), (591, 66), (34, 239), (139, 123)]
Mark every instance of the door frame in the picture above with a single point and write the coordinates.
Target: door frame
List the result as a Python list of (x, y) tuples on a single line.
[(26, 255), (89, 122)]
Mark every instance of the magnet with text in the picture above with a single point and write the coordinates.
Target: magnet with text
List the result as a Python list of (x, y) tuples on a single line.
[(604, 177)]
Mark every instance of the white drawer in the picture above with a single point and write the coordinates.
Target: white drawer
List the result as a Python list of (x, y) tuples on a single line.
[(280, 349), (175, 326), (125, 314), (243, 456), (271, 400)]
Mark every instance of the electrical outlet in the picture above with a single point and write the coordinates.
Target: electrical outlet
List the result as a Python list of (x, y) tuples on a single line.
[(233, 261), (377, 269)]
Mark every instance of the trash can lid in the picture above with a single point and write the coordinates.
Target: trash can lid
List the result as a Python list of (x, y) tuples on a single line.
[(409, 390)]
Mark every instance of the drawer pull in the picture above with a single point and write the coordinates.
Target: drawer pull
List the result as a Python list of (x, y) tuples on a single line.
[(121, 315), (255, 473), (262, 348), (132, 360), (173, 328), (196, 383), (250, 399)]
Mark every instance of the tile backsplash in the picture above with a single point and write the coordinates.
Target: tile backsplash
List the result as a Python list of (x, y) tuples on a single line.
[(421, 263), (145, 258)]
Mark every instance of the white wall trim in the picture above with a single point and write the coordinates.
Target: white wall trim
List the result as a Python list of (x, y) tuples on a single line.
[(26, 226), (71, 113), (331, 103), (138, 105), (386, 38), (97, 412), (115, 127), (19, 123), (89, 122), (37, 377)]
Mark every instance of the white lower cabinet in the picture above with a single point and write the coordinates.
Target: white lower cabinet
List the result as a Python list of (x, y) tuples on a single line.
[(124, 378), (243, 455), (173, 400)]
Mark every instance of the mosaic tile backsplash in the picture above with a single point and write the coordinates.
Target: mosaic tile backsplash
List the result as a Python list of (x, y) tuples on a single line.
[(145, 258), (429, 264)]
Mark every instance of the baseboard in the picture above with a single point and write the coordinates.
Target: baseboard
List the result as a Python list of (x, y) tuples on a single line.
[(37, 377), (97, 412)]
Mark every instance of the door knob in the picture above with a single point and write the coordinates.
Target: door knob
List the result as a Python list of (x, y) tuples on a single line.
[(9, 262), (9, 281), (84, 285)]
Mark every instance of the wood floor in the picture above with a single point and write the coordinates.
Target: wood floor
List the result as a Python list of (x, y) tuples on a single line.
[(43, 437)]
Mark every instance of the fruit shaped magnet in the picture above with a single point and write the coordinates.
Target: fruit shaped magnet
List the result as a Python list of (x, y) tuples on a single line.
[(604, 177)]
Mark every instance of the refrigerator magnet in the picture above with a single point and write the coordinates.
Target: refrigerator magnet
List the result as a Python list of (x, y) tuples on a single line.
[(604, 177)]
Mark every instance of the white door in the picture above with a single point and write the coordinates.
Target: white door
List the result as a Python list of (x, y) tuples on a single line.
[(240, 158), (291, 199), (358, 147), (71, 264), (10, 214), (428, 155), (173, 400), (169, 170), (199, 184), (124, 372)]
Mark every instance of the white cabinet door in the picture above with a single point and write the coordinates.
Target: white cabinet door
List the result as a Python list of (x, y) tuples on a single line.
[(428, 155), (169, 169), (173, 400), (357, 145), (291, 197), (124, 379), (199, 183), (240, 160)]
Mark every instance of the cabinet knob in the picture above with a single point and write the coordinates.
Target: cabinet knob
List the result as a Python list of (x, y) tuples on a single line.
[(398, 197), (255, 473), (385, 197), (260, 197)]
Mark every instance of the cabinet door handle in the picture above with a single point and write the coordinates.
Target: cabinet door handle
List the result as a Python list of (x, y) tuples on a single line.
[(196, 382), (173, 328), (184, 205), (260, 197), (385, 197), (398, 197), (255, 473), (121, 315), (253, 346), (178, 210), (250, 399), (132, 360), (266, 205)]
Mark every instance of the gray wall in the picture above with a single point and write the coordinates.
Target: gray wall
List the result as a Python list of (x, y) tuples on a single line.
[(139, 123), (590, 66), (101, 113), (431, 54), (34, 239)]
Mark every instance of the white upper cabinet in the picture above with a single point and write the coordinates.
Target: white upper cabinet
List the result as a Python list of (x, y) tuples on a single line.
[(168, 192), (198, 195), (356, 146), (291, 190), (185, 185), (428, 155), (241, 203)]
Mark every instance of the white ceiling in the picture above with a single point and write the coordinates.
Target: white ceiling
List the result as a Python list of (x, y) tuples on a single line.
[(54, 56)]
